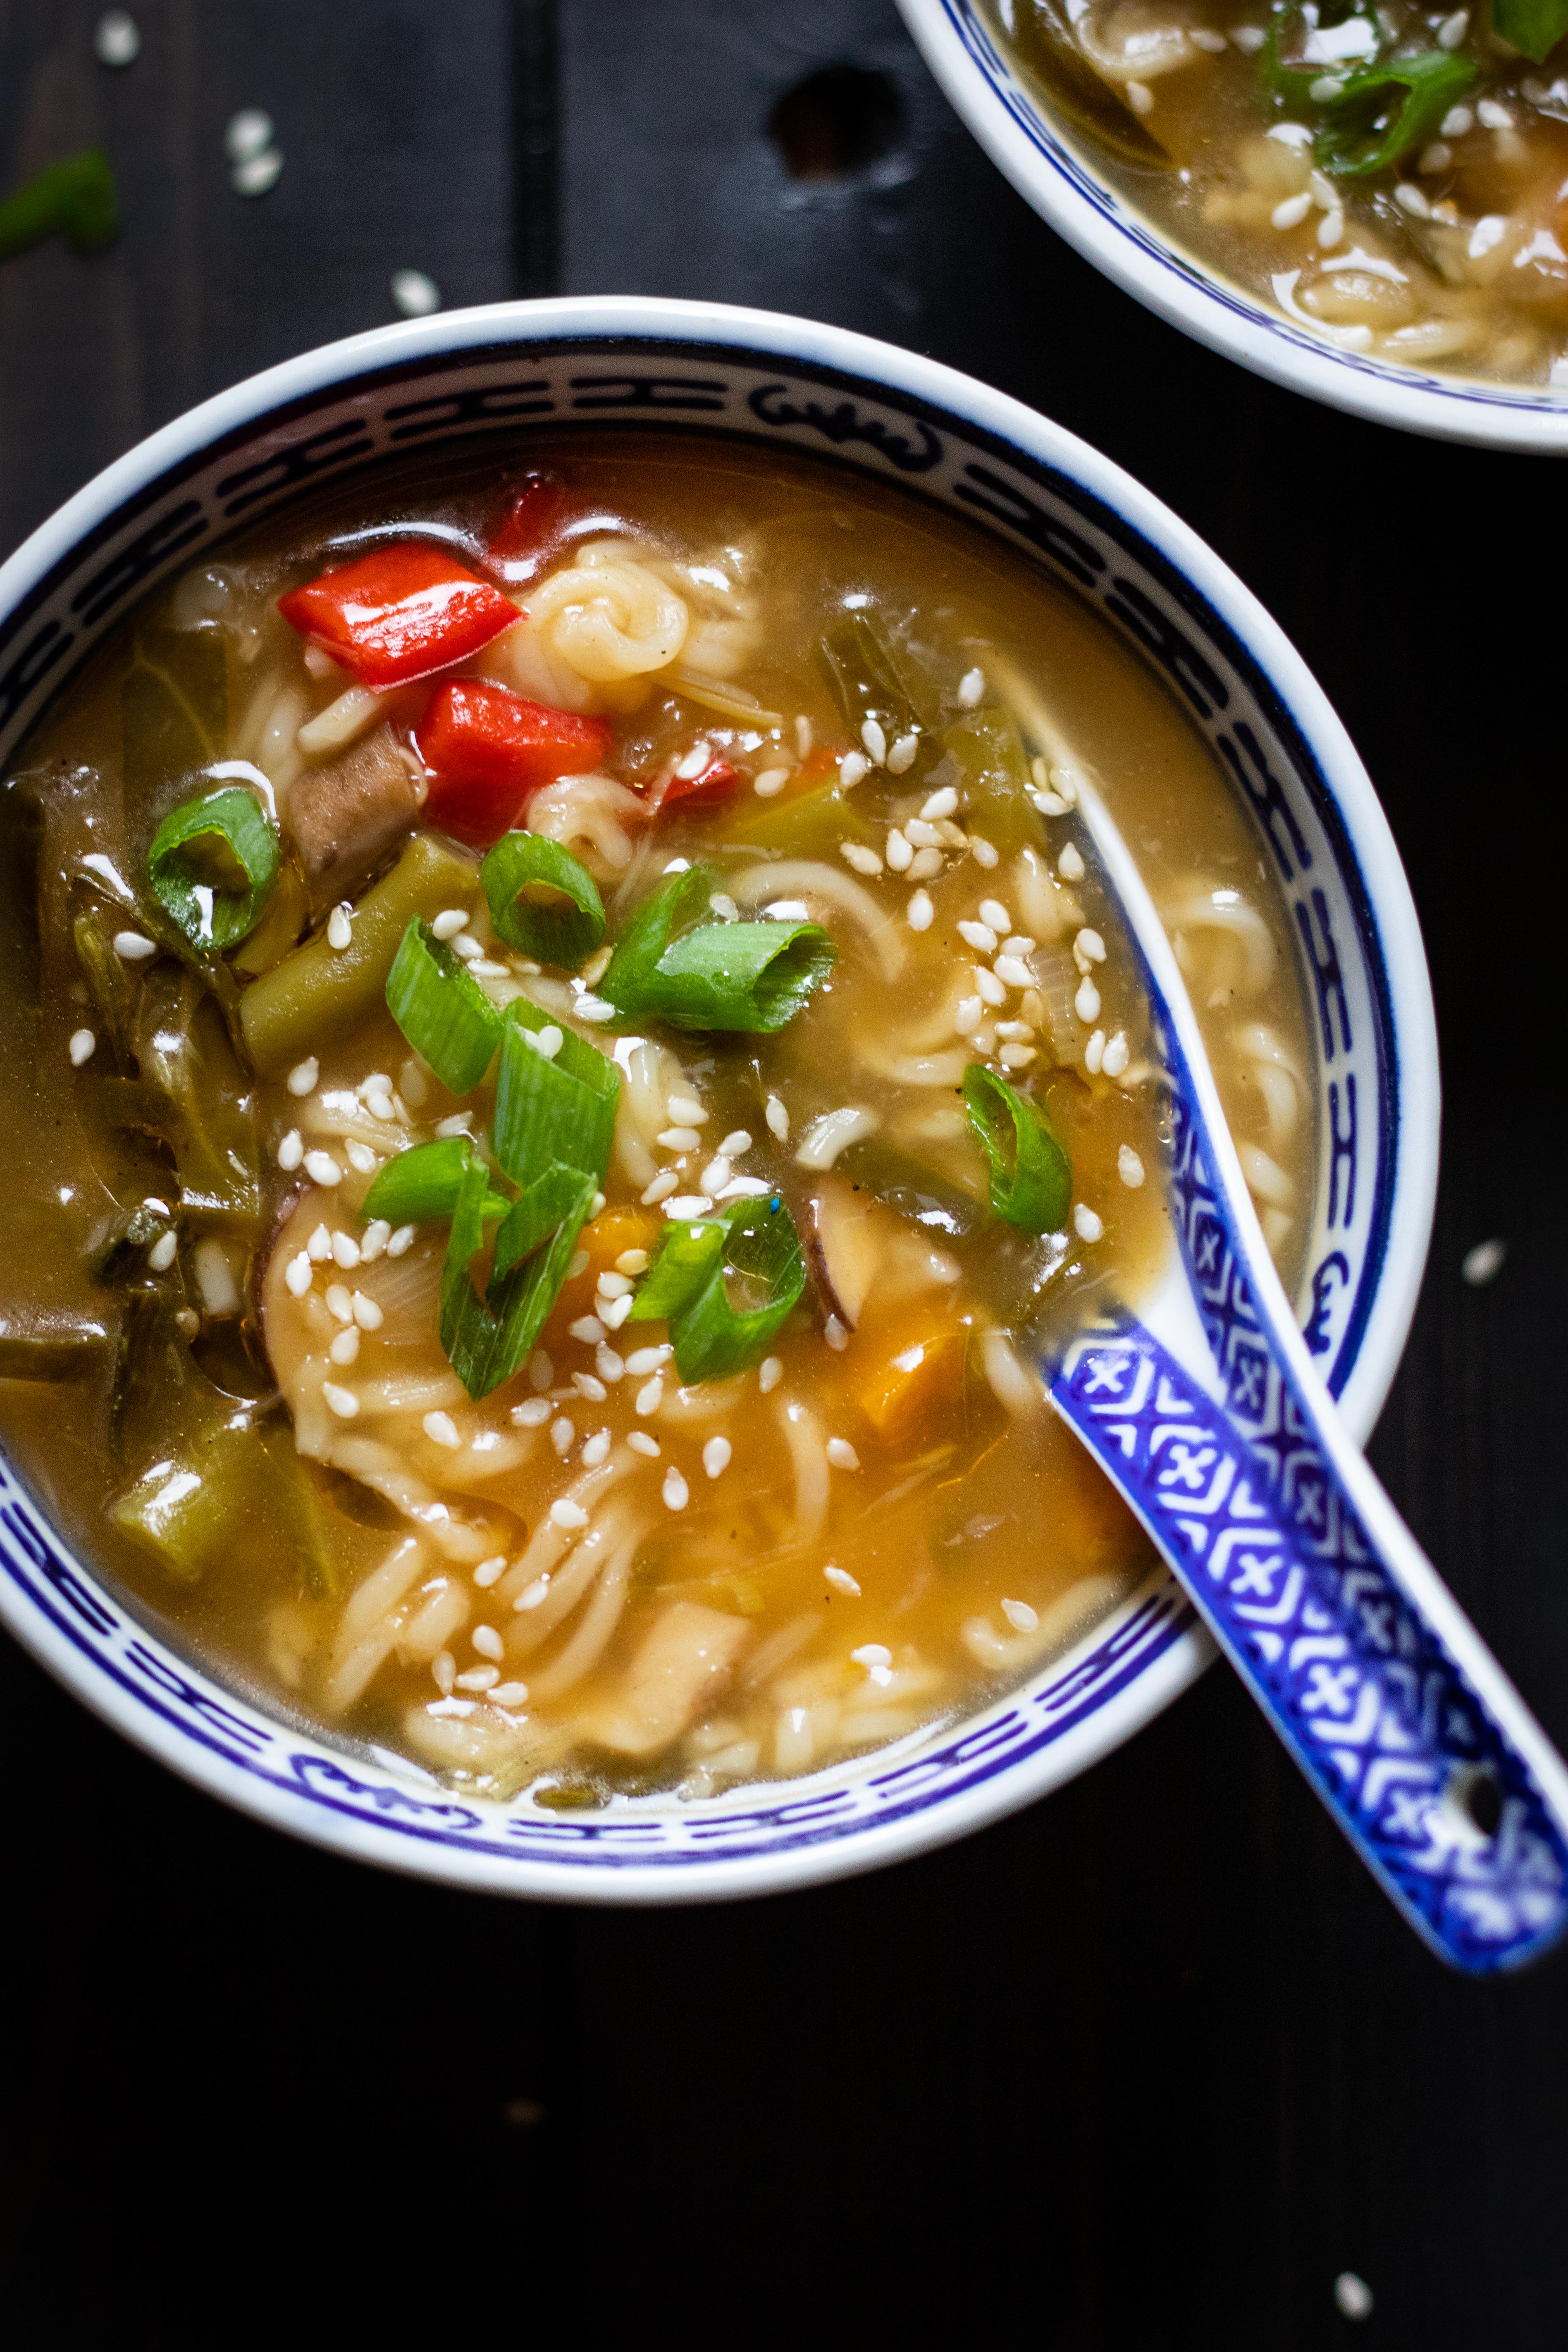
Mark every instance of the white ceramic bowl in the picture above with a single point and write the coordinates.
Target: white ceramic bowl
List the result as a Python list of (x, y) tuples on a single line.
[(1025, 139), (841, 399)]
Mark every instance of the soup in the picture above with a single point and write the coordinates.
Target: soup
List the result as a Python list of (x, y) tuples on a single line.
[(566, 1060), (1393, 180)]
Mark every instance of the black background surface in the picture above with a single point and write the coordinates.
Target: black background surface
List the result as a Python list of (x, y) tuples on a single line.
[(1148, 2065)]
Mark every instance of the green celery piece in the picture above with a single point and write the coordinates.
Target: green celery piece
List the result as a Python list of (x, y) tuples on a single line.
[(1533, 25), (441, 1009), (208, 1121), (75, 198), (421, 1185), (182, 1508), (751, 977), (317, 994), (112, 983), (810, 823), (1384, 113), (173, 717)]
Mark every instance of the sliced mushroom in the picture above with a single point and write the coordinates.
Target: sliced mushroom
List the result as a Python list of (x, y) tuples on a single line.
[(348, 815)]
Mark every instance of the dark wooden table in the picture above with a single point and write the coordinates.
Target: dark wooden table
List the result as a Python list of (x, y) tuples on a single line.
[(1151, 2064)]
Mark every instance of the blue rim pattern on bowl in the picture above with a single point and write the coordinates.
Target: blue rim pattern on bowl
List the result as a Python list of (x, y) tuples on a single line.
[(898, 425), (1001, 109)]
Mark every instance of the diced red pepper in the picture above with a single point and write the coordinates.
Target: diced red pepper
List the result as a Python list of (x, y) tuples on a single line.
[(717, 782), (399, 612), (490, 750), (532, 523)]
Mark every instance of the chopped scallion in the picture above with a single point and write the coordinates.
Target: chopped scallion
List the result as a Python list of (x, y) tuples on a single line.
[(559, 1107), (1390, 110), (755, 1241), (421, 1185), (211, 866), (486, 1340), (543, 901), (441, 1009), (753, 977), (1031, 1176)]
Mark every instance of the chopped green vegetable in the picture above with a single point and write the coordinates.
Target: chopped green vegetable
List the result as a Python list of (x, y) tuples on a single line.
[(420, 1186), (1031, 1176), (754, 977), (200, 1106), (1533, 25), (991, 772), (1295, 82), (543, 901), (863, 671), (441, 1009), (75, 198), (278, 928), (688, 1285), (174, 719), (486, 1340), (111, 983), (1382, 114), (319, 993), (213, 863), (555, 1108)]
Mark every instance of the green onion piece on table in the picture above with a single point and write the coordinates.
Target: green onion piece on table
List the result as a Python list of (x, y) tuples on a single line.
[(211, 866), (1031, 1175), (420, 1186), (753, 1242), (441, 1009), (543, 901), (1380, 115), (75, 198)]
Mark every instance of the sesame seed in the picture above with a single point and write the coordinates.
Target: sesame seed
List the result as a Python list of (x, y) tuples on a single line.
[(1070, 864), (81, 1047), (679, 1139), (940, 804), (478, 1678), (489, 1571), (442, 1429), (875, 742), (509, 1694), (842, 1454), (342, 1402), (487, 1640), (588, 1329), (374, 1240), (290, 1152), (132, 948), (663, 1184), (641, 1443), (902, 754), (541, 1370), (297, 1273), (414, 294), (1248, 38), (319, 1245), (1495, 117), (649, 1360), (533, 1414), (1203, 36), (968, 1015), (686, 1207), (340, 1305), (595, 1448), (302, 1078), (457, 1124), (1020, 1616), (770, 780), (561, 1433), (1012, 972), (1411, 199), (345, 1250), (650, 1397), (450, 922), (1489, 231), (769, 1371), (716, 1175), (366, 1313), (531, 1597), (1085, 1003), (606, 1363), (322, 1169), (547, 1041), (163, 1251), (1139, 96), (980, 937), (1089, 946), (1483, 1262), (971, 686), (787, 910), (1094, 1053), (675, 1490), (716, 1457), (564, 1513), (345, 1346), (1116, 1056), (900, 856), (853, 766), (635, 1261), (1293, 211), (401, 1240), (1455, 122), (593, 1008), (988, 987), (361, 1158), (777, 1118), (614, 1312), (984, 853), (873, 1653), (117, 38), (589, 1385), (923, 836), (339, 928), (1087, 1226), (919, 912), (841, 1581), (861, 856), (1018, 1057)]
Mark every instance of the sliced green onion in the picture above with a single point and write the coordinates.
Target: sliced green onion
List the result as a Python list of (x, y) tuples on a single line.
[(211, 866), (552, 1109), (543, 901), (748, 976), (1031, 1175), (421, 1185), (681, 902), (754, 1240), (441, 1009), (1295, 83), (486, 1340), (1384, 113), (1533, 25), (550, 1201)]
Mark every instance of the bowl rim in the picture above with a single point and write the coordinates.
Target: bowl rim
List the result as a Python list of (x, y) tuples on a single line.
[(996, 105), (1184, 1650)]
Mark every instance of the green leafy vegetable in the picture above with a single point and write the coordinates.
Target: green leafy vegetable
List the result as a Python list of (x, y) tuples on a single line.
[(192, 1094), (1533, 25), (75, 198), (543, 901), (441, 1009), (753, 1242), (1382, 114), (1294, 82), (1031, 1176), (753, 977), (864, 673), (174, 719), (112, 983), (213, 863), (420, 1186), (993, 776)]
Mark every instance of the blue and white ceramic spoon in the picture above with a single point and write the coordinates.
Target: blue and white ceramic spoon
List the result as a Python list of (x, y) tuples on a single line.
[(1208, 1413)]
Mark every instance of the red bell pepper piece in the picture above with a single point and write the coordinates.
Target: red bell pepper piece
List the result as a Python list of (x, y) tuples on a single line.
[(399, 612), (531, 523), (490, 750), (717, 782)]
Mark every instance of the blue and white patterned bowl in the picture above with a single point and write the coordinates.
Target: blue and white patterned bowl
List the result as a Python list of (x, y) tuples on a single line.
[(339, 413), (1024, 139)]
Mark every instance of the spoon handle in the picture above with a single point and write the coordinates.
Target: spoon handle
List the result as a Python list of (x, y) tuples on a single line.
[(1321, 1598)]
